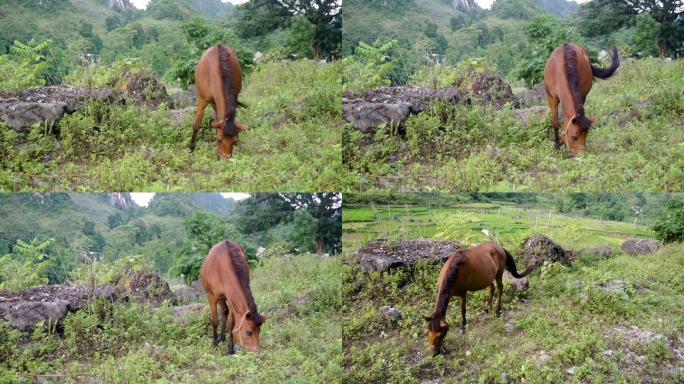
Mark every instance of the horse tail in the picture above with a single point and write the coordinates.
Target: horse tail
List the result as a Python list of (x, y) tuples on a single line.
[(241, 104), (510, 266), (604, 73), (229, 128)]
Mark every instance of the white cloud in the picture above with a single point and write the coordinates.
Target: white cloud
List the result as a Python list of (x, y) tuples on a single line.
[(487, 4), (142, 198), (237, 196)]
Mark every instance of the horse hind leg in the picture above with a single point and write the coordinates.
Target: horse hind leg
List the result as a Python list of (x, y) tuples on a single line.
[(488, 308), (463, 312), (199, 113), (499, 291)]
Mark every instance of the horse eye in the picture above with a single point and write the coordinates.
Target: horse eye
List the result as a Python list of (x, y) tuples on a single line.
[(574, 138), (248, 332)]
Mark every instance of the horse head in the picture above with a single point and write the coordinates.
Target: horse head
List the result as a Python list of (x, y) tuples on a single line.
[(437, 330), (576, 132), (247, 330)]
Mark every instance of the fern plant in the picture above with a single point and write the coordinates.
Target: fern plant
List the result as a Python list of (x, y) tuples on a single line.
[(24, 66)]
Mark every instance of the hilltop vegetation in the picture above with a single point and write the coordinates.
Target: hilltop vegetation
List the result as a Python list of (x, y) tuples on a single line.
[(612, 319)]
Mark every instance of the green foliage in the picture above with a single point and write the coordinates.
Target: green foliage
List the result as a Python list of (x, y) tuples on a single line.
[(670, 226), (646, 35), (369, 66), (27, 265), (25, 66), (303, 231), (543, 34), (300, 40)]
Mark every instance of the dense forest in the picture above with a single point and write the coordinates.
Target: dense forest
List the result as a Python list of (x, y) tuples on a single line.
[(99, 95)]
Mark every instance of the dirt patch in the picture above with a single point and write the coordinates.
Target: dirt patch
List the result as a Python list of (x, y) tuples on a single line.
[(381, 255)]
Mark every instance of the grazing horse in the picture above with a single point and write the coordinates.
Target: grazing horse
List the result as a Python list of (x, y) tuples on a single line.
[(466, 270), (225, 278), (218, 80), (568, 76)]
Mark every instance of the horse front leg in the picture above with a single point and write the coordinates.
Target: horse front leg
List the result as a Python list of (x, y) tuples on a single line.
[(463, 312), (553, 106), (231, 325), (214, 319), (224, 315), (199, 113)]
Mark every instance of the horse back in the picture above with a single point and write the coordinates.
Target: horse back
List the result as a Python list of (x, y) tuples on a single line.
[(208, 71), (556, 75), (224, 269)]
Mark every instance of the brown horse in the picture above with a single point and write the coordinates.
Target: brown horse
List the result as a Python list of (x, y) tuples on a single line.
[(218, 80), (225, 277), (466, 270), (568, 76)]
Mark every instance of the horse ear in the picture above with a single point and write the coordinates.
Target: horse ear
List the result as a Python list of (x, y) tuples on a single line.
[(442, 323), (593, 120)]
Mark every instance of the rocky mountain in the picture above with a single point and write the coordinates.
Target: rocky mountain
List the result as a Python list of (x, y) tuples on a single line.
[(181, 204), (465, 5)]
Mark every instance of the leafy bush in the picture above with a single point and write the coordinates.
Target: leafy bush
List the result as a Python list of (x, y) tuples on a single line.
[(26, 266), (25, 66), (669, 227), (369, 66)]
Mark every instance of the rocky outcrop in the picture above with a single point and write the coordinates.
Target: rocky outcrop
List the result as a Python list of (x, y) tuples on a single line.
[(47, 303), (638, 246), (380, 255), (121, 5), (538, 249), (603, 250), (144, 285), (121, 200), (46, 105), (532, 97), (391, 105)]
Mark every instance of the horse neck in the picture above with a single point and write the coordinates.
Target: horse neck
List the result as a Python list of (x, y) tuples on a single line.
[(442, 302)]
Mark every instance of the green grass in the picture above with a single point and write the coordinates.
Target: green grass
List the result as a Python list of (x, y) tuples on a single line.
[(564, 321), (293, 144), (479, 148), (300, 342)]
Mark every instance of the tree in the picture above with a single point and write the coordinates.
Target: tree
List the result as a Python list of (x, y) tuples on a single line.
[(543, 34), (259, 17), (25, 66), (300, 41), (602, 17), (646, 35), (457, 22), (303, 234)]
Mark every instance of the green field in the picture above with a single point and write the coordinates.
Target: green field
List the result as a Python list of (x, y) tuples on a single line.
[(300, 342), (616, 319)]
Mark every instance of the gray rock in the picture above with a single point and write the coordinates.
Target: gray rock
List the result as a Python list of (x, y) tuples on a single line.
[(532, 97), (185, 313), (433, 381), (527, 114), (603, 250), (21, 115), (187, 295), (538, 248), (638, 246), (379, 255), (391, 312), (518, 285), (47, 303), (183, 99)]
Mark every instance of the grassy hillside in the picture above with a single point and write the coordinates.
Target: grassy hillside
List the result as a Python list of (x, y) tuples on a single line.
[(293, 144), (615, 319), (636, 144), (300, 342)]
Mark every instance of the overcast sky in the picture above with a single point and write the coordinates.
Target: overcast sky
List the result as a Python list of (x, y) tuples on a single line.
[(488, 3), (143, 3), (143, 198)]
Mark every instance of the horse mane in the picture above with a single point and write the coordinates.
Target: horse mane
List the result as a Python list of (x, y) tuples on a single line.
[(235, 254), (443, 295), (570, 59), (229, 128)]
